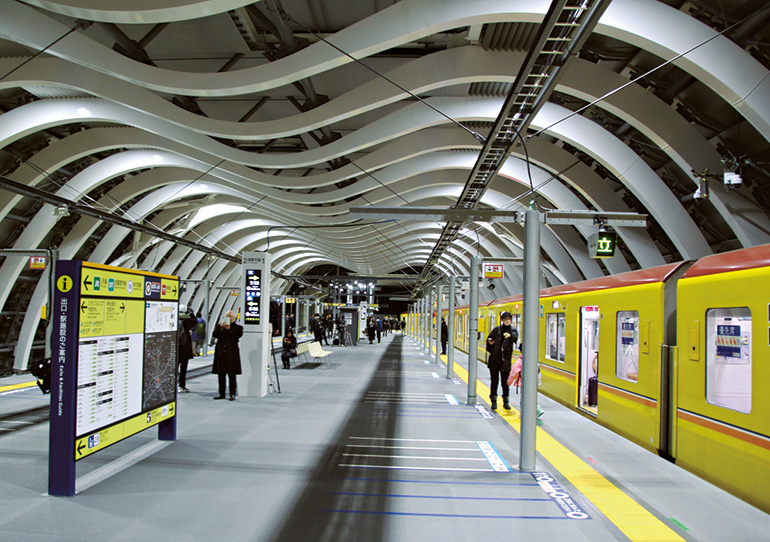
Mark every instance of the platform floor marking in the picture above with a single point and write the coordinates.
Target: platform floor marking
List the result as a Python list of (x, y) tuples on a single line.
[(438, 458), (483, 449), (395, 467), (635, 521), (470, 516), (412, 448), (14, 388), (443, 497)]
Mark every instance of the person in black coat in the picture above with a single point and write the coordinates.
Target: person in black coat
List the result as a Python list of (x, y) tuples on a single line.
[(444, 336), (289, 348), (227, 354), (500, 343), (317, 328), (184, 352)]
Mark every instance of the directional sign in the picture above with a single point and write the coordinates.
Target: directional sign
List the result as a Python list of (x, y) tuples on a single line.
[(493, 270)]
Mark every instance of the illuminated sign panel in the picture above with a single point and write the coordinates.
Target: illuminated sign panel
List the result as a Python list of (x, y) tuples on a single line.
[(253, 294), (602, 244)]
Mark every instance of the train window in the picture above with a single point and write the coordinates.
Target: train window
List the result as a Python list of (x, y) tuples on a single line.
[(516, 324), (728, 358), (492, 321), (627, 346), (554, 336), (459, 326)]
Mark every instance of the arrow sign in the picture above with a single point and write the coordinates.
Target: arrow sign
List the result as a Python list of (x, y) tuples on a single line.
[(174, 290), (83, 307), (87, 282), (122, 307), (81, 446)]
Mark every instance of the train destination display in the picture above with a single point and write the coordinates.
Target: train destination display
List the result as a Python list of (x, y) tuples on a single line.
[(251, 315), (114, 362)]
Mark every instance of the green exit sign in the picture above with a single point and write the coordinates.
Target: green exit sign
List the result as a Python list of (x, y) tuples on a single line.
[(602, 244)]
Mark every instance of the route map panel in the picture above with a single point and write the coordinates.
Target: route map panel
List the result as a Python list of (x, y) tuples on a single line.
[(124, 353)]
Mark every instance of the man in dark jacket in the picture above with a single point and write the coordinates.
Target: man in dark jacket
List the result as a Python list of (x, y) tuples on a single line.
[(184, 350), (227, 354), (500, 344), (444, 335), (317, 329)]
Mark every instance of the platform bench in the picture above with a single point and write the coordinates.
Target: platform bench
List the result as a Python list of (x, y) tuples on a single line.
[(315, 351)]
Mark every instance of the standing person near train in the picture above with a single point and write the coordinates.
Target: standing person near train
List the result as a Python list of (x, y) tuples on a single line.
[(500, 343), (514, 379)]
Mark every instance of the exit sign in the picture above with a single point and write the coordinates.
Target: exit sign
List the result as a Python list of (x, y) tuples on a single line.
[(602, 244)]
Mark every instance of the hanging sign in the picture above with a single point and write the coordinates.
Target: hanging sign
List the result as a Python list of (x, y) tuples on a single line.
[(493, 270), (37, 262)]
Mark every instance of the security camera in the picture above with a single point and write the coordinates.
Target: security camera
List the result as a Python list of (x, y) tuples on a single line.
[(491, 285), (732, 179)]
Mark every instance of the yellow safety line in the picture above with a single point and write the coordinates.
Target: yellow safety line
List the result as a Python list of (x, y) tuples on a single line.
[(18, 386), (629, 516)]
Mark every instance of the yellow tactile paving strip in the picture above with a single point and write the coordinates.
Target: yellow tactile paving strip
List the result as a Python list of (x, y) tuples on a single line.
[(635, 521), (18, 386)]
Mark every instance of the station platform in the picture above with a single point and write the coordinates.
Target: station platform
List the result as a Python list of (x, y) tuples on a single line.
[(373, 444)]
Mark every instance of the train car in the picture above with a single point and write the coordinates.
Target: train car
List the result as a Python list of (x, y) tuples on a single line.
[(599, 350), (674, 358), (722, 416)]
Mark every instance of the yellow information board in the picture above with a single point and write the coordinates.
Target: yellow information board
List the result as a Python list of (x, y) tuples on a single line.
[(101, 439)]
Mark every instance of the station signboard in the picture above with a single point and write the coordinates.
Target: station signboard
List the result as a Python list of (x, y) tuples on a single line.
[(114, 361)]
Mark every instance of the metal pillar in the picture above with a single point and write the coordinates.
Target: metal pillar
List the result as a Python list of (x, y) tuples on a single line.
[(473, 330), (450, 353), (530, 330), (53, 256), (283, 315), (207, 314), (439, 294), (424, 330)]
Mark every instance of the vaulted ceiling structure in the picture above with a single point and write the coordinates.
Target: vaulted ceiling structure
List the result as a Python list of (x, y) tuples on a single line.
[(241, 126)]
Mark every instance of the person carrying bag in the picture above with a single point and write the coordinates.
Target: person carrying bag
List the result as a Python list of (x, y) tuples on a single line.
[(514, 378)]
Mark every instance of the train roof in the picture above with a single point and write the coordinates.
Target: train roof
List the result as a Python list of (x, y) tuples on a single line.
[(736, 260), (631, 278)]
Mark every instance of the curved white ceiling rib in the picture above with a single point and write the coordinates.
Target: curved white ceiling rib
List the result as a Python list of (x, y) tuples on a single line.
[(604, 147), (648, 24), (12, 128), (139, 11)]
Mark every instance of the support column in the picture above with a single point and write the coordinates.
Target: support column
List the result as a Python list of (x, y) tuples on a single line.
[(473, 330), (531, 322), (207, 314), (439, 294), (255, 343), (450, 353)]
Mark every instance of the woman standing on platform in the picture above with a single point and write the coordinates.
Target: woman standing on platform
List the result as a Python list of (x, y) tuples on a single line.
[(227, 354)]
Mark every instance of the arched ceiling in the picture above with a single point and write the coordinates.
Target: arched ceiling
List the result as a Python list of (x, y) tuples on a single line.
[(258, 125)]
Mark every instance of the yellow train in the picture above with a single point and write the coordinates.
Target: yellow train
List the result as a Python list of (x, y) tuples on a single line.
[(674, 358)]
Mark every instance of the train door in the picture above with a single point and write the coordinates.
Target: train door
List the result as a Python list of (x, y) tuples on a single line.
[(589, 360)]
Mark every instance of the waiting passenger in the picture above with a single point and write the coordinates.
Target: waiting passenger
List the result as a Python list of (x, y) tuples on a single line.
[(227, 354), (289, 348), (500, 343)]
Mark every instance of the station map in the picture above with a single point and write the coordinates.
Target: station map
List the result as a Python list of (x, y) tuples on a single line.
[(126, 351)]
